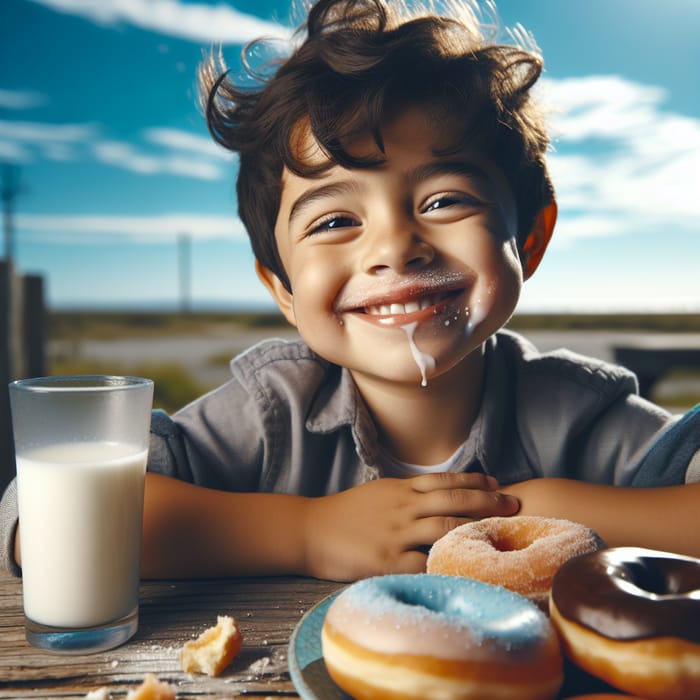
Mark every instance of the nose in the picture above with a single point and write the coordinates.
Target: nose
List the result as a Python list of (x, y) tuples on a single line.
[(398, 248)]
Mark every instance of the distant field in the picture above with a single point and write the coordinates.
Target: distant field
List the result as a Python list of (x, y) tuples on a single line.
[(117, 324), (652, 323), (114, 342), (188, 354), (107, 325)]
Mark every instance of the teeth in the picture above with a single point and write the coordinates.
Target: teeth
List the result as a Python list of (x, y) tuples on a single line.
[(407, 308)]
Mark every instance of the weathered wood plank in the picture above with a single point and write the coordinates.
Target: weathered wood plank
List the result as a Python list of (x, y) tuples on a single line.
[(171, 612)]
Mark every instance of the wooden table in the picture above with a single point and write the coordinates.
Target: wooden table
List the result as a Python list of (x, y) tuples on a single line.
[(171, 612)]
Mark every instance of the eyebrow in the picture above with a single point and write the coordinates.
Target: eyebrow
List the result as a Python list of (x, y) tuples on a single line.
[(316, 194), (437, 169)]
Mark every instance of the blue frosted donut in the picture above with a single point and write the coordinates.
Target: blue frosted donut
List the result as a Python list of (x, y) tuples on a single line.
[(423, 636)]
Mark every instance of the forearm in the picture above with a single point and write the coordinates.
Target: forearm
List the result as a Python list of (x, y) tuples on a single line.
[(662, 518), (378, 527), (190, 532)]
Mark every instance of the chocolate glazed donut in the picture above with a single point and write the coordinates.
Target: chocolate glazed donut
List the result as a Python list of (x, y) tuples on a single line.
[(632, 617)]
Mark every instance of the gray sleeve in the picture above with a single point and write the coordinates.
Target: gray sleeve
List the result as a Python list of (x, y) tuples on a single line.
[(617, 442), (692, 474), (249, 435), (166, 452), (217, 441), (8, 528), (583, 419)]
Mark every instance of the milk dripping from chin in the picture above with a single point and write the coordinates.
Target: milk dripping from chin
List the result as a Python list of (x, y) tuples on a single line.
[(426, 363)]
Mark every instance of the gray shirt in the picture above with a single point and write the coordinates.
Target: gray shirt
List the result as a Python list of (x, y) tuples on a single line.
[(290, 422)]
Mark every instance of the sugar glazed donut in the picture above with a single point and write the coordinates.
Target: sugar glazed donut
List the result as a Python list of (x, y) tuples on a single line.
[(632, 617), (423, 637), (519, 552)]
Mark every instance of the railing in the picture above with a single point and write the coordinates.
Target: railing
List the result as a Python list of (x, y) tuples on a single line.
[(22, 348), (651, 363)]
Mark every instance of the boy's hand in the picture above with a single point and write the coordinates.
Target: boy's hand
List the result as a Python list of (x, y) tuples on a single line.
[(379, 527)]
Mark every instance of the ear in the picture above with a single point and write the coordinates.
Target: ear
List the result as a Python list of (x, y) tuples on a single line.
[(538, 239), (283, 297)]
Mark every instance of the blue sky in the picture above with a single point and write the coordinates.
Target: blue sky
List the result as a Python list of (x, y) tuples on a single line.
[(98, 111)]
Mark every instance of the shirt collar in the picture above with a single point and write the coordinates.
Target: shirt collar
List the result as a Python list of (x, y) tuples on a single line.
[(338, 404), (491, 446)]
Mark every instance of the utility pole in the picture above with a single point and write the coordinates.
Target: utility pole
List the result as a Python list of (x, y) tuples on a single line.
[(184, 241), (9, 189), (9, 192)]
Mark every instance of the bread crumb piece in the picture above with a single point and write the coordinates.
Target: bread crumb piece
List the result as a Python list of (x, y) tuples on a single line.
[(99, 694), (214, 649), (152, 689)]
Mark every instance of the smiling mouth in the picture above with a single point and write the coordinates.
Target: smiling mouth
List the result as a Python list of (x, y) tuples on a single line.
[(409, 307)]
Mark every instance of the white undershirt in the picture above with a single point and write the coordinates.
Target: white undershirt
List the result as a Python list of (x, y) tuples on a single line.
[(392, 467)]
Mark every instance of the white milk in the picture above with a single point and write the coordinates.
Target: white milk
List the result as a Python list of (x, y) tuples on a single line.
[(477, 313), (80, 509), (425, 362)]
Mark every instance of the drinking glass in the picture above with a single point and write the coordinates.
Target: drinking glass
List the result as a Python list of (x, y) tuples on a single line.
[(81, 445)]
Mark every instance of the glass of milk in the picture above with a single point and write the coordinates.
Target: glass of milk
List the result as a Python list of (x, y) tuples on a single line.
[(81, 445)]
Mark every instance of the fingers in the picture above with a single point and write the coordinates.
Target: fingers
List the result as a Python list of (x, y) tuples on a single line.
[(466, 503), (388, 525), (426, 531), (418, 541), (473, 495), (448, 480), (411, 562)]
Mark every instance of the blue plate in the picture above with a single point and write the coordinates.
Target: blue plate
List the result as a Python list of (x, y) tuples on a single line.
[(312, 682), (306, 665)]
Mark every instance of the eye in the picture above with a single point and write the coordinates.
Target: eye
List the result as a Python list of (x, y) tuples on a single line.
[(332, 222), (444, 200)]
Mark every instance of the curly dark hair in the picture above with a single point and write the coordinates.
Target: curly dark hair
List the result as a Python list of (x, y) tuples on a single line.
[(361, 62)]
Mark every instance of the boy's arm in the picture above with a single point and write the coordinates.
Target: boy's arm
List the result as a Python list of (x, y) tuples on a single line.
[(378, 527), (191, 532), (665, 518)]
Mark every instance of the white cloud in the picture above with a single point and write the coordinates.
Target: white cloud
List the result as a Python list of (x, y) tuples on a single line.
[(178, 140), (178, 160), (24, 142), (600, 106), (124, 155), (138, 228), (177, 153), (193, 21), (39, 132), (11, 152), (21, 99), (622, 163)]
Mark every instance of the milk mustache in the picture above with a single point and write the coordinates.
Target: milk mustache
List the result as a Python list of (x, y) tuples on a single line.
[(80, 508)]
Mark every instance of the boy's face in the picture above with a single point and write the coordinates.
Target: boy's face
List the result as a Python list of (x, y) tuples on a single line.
[(422, 246)]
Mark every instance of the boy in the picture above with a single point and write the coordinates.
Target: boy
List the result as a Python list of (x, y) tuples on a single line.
[(394, 186)]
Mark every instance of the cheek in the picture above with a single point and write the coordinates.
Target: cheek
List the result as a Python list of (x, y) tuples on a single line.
[(498, 283), (489, 254), (506, 272), (500, 260), (511, 259), (316, 283)]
